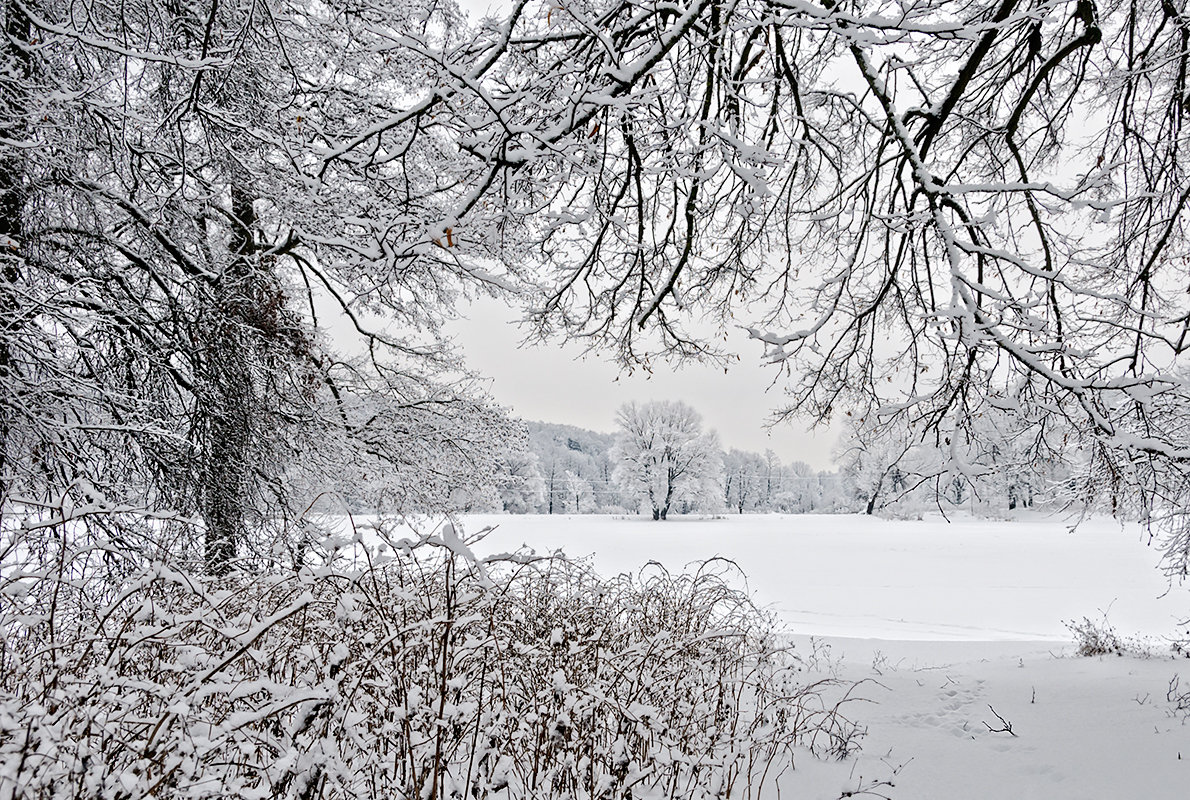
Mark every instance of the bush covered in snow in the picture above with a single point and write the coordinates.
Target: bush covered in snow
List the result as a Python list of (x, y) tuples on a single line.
[(407, 669)]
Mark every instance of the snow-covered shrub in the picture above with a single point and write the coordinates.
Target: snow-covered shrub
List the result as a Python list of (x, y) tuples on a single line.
[(1099, 638), (1095, 638), (404, 670)]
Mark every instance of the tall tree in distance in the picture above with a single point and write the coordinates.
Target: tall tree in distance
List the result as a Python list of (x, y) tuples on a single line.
[(662, 456)]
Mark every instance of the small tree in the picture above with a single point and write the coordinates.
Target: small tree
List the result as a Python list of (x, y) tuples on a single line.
[(663, 456), (522, 488), (745, 480), (580, 498)]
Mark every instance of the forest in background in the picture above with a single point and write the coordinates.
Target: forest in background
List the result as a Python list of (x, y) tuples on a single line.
[(565, 469), (571, 470)]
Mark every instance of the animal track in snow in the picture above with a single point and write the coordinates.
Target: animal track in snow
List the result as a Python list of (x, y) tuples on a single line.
[(949, 709)]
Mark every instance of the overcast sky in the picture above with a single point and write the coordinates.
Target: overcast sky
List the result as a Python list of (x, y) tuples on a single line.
[(481, 7), (557, 384)]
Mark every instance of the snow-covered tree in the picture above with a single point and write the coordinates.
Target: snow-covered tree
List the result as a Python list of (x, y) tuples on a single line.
[(883, 462), (580, 498), (522, 489), (774, 474), (746, 478), (801, 490), (919, 207), (996, 460), (565, 448), (175, 254), (663, 457)]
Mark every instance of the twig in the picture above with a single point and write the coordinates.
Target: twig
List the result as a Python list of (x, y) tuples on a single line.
[(1006, 726)]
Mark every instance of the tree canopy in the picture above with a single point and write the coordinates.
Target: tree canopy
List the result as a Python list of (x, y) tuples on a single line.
[(924, 210)]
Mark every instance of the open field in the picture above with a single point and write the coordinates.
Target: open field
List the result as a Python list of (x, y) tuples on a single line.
[(948, 624), (855, 576)]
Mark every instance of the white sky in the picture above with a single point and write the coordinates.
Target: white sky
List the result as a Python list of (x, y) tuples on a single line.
[(481, 7), (555, 383)]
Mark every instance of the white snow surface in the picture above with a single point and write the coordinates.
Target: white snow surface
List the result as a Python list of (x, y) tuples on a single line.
[(918, 580), (1085, 728), (947, 625)]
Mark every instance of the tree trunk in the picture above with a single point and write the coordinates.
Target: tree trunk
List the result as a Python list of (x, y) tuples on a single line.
[(229, 394), (669, 495), (875, 494)]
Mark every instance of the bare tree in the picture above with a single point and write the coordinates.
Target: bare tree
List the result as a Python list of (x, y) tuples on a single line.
[(664, 456)]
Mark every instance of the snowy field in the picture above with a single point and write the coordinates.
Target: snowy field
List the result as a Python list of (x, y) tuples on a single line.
[(856, 576), (945, 622)]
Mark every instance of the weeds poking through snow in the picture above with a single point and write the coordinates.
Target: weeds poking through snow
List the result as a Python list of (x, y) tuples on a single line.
[(1005, 725), (1100, 639), (1095, 638), (1178, 698), (872, 787), (407, 672)]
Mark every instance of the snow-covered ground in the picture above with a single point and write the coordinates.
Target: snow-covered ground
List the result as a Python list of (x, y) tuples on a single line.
[(946, 621), (1086, 728), (856, 576)]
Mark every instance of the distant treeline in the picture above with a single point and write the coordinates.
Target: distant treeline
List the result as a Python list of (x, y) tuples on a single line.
[(565, 469)]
